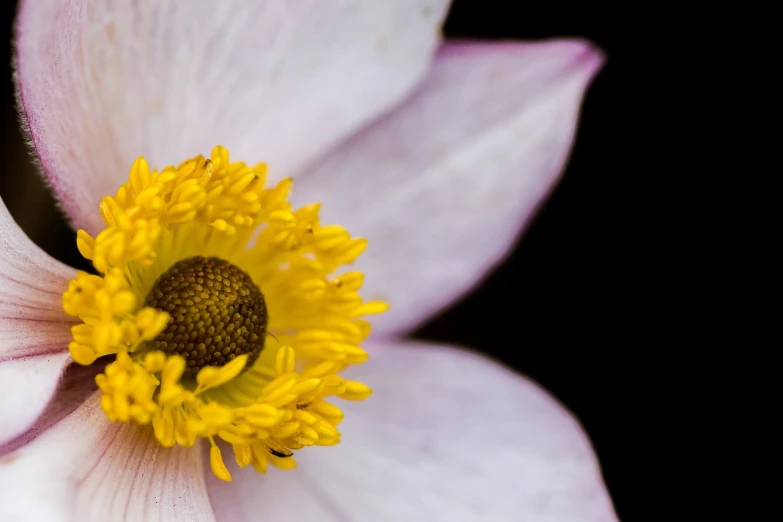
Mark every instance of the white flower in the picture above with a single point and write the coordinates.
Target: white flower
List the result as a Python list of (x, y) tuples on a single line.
[(438, 153)]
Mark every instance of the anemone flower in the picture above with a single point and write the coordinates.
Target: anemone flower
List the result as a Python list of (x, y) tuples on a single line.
[(220, 331)]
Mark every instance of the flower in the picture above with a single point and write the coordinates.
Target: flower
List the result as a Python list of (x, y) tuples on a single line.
[(437, 153)]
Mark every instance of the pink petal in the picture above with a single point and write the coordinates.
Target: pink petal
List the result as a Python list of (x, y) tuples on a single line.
[(447, 436), (87, 469), (34, 330), (104, 82), (443, 186)]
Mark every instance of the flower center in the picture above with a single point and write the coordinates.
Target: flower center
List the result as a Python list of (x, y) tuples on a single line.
[(217, 313), (175, 301)]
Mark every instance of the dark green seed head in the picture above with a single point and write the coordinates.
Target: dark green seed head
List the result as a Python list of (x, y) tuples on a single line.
[(217, 313)]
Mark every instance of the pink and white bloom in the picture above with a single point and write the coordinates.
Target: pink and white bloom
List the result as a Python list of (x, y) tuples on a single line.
[(438, 152)]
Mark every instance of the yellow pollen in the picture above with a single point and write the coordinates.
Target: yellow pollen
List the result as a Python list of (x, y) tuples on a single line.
[(221, 307)]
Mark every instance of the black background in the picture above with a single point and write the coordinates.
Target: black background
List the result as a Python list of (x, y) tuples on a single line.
[(562, 272)]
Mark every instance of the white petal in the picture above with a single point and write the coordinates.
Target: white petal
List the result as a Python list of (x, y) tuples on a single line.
[(442, 186), (26, 387), (87, 469), (447, 436), (34, 330), (103, 82)]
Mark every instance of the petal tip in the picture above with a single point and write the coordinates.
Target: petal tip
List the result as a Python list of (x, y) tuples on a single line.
[(583, 53), (590, 56)]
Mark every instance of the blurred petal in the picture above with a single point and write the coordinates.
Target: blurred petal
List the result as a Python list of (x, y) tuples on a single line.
[(442, 186), (88, 469), (34, 330), (102, 82), (447, 436)]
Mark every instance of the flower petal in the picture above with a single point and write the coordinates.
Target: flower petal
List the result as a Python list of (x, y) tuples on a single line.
[(88, 469), (74, 384), (447, 435), (34, 330), (102, 82), (442, 186)]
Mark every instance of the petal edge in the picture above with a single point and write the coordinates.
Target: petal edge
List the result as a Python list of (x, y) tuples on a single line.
[(442, 186), (34, 330)]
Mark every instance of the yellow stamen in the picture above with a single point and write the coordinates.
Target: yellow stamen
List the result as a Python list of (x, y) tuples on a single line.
[(267, 407)]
